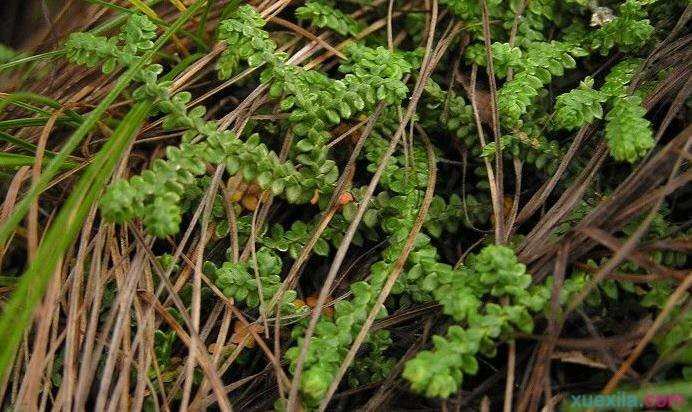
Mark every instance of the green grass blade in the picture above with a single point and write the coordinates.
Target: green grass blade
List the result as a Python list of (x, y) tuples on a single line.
[(76, 138), (22, 98), (30, 147), (29, 59), (11, 160), (18, 312), (30, 288), (32, 121), (21, 144)]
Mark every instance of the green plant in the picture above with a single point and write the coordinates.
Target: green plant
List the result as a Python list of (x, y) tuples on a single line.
[(125, 49), (534, 149), (471, 9), (321, 14), (630, 30), (155, 195), (245, 40), (294, 239), (261, 126), (333, 337), (317, 102), (240, 282), (627, 132), (464, 296), (579, 106), (375, 365), (535, 69), (452, 112)]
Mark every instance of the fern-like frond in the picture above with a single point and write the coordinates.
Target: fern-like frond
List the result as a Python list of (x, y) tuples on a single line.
[(538, 65), (620, 76), (322, 15), (246, 41), (627, 132), (578, 107), (630, 30)]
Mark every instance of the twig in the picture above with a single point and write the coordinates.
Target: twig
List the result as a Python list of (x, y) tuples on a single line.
[(393, 276), (660, 319)]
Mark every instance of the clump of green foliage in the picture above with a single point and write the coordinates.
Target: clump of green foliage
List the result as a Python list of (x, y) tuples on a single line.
[(321, 14), (467, 295)]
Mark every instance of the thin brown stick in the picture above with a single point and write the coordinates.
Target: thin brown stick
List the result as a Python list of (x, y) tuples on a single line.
[(672, 301), (202, 356), (495, 122), (394, 274), (197, 287)]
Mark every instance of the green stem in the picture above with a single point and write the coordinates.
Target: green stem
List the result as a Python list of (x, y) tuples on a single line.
[(33, 121), (16, 160), (28, 59)]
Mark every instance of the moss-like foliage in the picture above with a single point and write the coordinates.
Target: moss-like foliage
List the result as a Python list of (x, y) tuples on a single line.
[(293, 113)]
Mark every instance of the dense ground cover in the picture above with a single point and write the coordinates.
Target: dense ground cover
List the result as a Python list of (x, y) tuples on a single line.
[(362, 204)]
